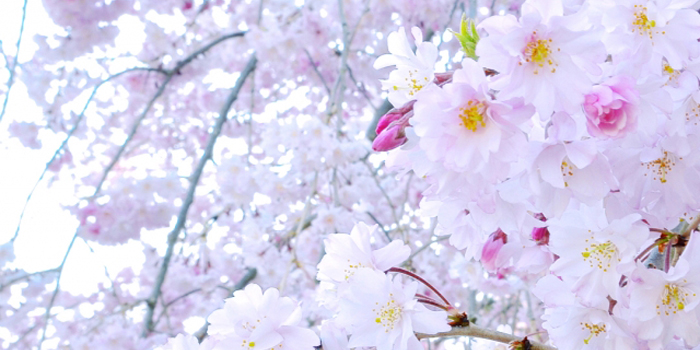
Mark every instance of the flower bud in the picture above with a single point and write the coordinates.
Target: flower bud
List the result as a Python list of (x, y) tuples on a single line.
[(392, 137), (493, 245), (391, 128), (540, 234)]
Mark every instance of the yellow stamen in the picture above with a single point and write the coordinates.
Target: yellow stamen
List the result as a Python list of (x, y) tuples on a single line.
[(472, 115)]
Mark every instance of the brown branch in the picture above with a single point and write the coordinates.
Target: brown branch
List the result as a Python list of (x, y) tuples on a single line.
[(194, 180), (478, 332)]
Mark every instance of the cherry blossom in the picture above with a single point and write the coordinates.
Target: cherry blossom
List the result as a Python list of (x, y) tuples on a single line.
[(380, 311), (350, 174)]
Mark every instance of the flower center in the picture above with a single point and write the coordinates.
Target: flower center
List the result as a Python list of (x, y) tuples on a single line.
[(671, 73), (350, 270), (600, 255), (412, 83), (247, 344), (674, 298), (567, 170), (692, 112), (388, 314), (472, 115), (594, 330), (661, 167), (539, 52), (641, 23)]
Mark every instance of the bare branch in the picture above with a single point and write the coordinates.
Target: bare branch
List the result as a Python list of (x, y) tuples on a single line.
[(11, 79), (47, 315), (194, 180)]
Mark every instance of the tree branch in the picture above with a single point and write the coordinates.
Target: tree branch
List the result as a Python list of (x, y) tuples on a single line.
[(194, 180), (47, 315), (478, 332), (161, 89), (25, 276), (11, 79)]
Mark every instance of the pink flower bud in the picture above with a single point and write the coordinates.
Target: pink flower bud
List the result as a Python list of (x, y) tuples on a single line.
[(540, 234), (391, 128), (493, 245), (611, 108), (391, 138), (394, 115)]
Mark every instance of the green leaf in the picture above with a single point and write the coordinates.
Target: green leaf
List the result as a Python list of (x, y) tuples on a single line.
[(467, 36)]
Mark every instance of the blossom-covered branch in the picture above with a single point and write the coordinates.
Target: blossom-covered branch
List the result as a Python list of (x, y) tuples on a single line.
[(152, 300)]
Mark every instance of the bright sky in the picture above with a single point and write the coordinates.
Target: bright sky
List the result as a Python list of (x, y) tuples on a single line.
[(46, 227)]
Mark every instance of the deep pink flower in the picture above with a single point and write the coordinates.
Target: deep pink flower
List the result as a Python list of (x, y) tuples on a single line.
[(611, 108)]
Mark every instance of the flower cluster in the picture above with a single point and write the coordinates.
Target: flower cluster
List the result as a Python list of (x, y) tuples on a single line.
[(547, 152), (568, 149)]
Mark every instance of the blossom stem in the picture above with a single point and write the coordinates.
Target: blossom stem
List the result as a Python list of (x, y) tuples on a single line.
[(647, 250), (660, 230), (692, 226), (421, 280), (433, 303), (667, 257)]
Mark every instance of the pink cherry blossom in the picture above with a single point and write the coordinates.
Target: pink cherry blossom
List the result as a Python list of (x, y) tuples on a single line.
[(611, 108)]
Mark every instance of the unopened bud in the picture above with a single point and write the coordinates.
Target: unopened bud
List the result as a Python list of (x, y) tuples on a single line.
[(391, 128), (540, 234), (491, 248)]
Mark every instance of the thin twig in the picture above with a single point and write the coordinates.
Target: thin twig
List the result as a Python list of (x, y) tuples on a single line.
[(339, 86), (24, 335), (167, 305), (425, 246), (11, 79), (194, 180), (47, 315), (381, 226), (386, 196), (449, 20), (313, 64), (361, 88), (297, 231)]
